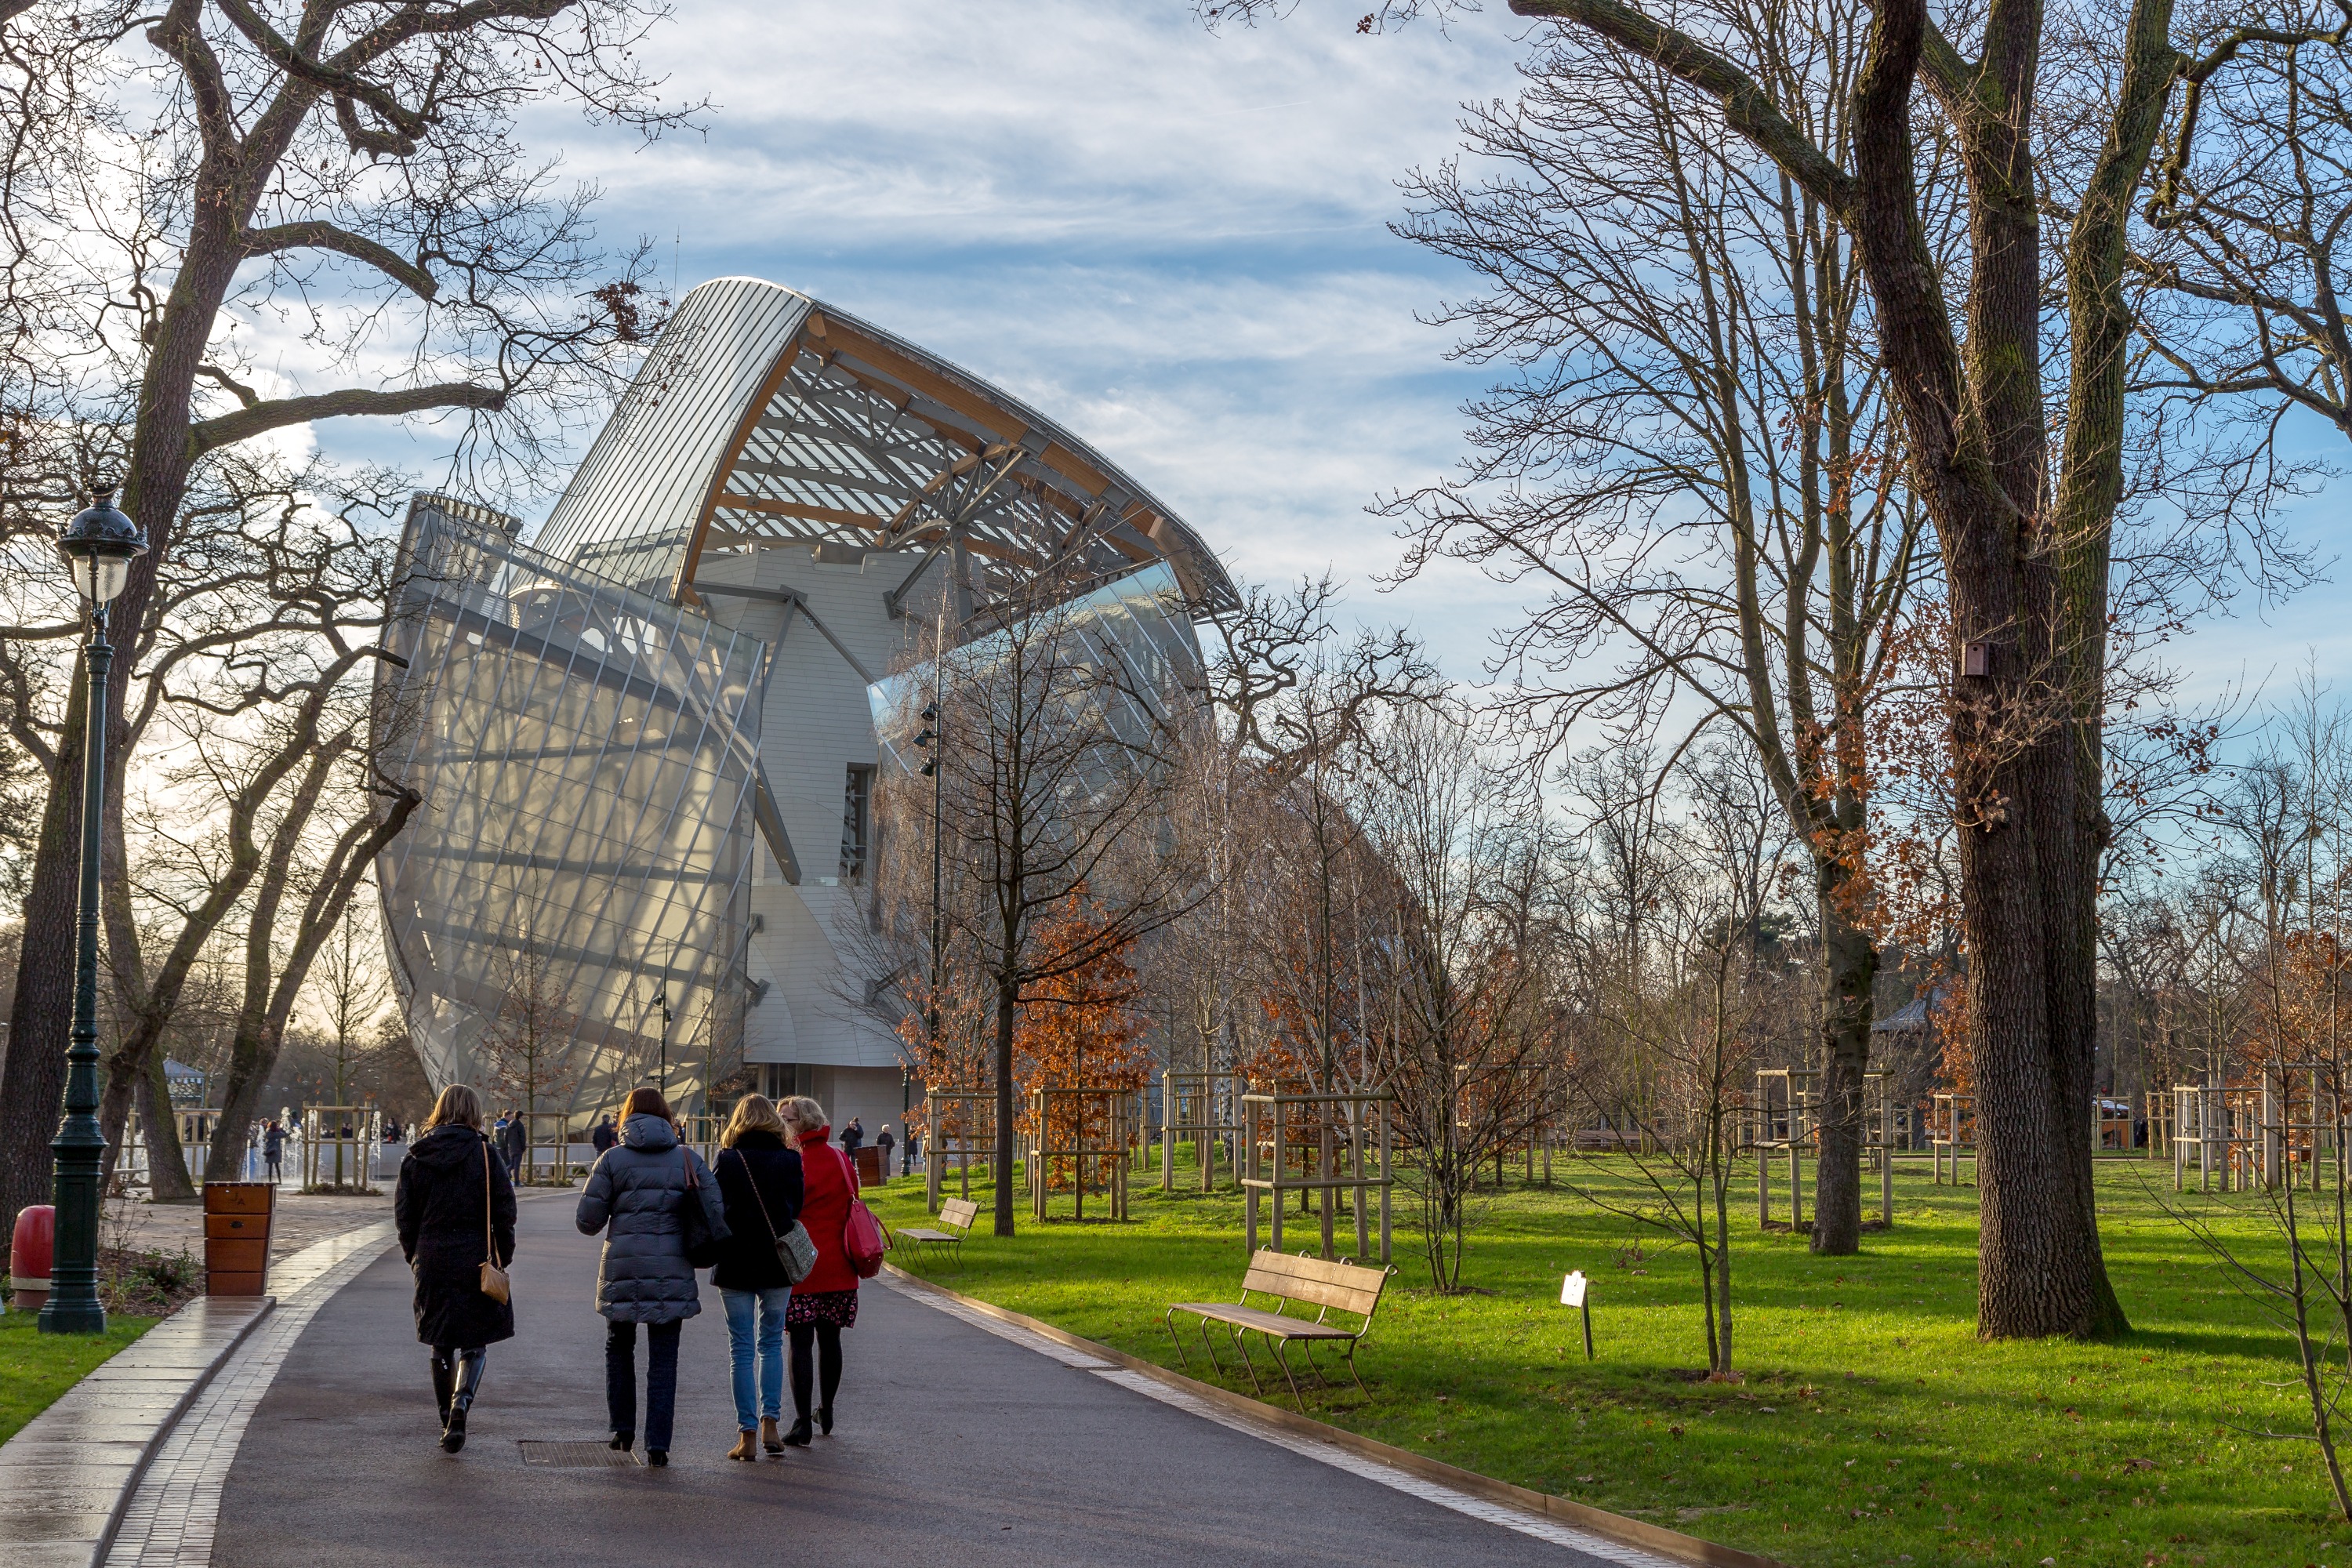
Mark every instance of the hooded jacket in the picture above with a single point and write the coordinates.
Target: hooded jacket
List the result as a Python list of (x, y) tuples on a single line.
[(437, 1208), (640, 1188)]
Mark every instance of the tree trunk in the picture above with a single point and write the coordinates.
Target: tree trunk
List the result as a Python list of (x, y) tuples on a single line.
[(167, 1160), (1849, 966), (1007, 1005), (33, 1076)]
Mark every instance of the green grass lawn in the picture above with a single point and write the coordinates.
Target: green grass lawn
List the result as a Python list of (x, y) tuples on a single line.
[(34, 1367), (1871, 1427)]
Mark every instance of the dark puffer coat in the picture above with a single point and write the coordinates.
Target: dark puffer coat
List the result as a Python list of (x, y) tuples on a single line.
[(747, 1259), (437, 1207), (640, 1189)]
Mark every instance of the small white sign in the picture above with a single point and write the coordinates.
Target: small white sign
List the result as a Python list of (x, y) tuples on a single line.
[(1571, 1289)]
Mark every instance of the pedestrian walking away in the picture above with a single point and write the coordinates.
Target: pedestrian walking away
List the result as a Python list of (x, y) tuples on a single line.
[(827, 1301), (884, 1141), (455, 1208), (602, 1136), (759, 1188), (273, 1149), (638, 1195)]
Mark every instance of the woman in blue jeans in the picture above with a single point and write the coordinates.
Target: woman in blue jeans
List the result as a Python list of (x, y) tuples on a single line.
[(760, 1183), (639, 1189)]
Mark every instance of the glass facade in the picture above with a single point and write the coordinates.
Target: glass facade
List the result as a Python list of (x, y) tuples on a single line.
[(588, 756), (1136, 627), (607, 724)]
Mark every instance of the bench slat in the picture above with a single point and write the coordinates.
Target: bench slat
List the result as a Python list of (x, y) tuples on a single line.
[(1272, 1323), (1359, 1299)]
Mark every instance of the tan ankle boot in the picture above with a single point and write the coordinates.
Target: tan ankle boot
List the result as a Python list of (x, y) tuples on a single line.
[(771, 1438), (743, 1448)]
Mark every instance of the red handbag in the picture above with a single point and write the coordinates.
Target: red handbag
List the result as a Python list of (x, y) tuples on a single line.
[(861, 1236)]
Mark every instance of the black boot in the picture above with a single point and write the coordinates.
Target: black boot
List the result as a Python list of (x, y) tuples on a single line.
[(444, 1382), (469, 1383), (824, 1419), (798, 1437)]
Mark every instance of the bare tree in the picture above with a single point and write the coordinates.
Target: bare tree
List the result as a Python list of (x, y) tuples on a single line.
[(1056, 765), (1692, 463), (365, 159), (1669, 1061), (1465, 859), (527, 1046)]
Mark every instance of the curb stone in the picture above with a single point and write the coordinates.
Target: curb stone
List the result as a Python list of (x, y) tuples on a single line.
[(68, 1474)]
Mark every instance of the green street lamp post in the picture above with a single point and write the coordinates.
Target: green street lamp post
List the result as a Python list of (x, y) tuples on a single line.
[(98, 546)]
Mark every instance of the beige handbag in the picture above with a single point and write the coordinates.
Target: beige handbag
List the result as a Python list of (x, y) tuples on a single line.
[(494, 1278)]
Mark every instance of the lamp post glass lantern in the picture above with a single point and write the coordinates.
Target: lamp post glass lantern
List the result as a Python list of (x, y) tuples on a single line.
[(99, 545)]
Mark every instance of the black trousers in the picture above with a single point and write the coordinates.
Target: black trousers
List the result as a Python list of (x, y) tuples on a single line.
[(661, 1379), (826, 1339)]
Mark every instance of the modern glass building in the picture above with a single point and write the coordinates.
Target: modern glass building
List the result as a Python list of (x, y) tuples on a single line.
[(647, 741)]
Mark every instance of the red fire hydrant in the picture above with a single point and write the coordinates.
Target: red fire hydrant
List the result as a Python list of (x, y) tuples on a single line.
[(29, 1251)]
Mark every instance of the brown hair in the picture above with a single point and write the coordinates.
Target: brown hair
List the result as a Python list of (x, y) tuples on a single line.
[(458, 1106), (645, 1100), (753, 1114)]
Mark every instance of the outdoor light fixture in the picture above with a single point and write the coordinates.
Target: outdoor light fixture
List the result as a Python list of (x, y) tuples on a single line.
[(98, 546)]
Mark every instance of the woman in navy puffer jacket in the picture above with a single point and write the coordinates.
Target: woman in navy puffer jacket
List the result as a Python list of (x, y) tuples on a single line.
[(640, 1189)]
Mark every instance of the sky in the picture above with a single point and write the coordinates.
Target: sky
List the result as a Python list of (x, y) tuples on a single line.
[(1174, 241)]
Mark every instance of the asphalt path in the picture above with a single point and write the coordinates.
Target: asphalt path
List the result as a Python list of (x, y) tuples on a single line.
[(951, 1445)]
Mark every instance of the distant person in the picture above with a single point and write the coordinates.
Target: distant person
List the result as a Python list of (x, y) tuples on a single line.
[(853, 1138), (455, 1211), (602, 1136), (640, 1189), (914, 1148), (273, 1149), (760, 1183), (827, 1301), (884, 1142), (515, 1145)]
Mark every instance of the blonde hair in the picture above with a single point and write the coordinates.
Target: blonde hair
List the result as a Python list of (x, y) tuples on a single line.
[(804, 1114), (458, 1106), (753, 1114)]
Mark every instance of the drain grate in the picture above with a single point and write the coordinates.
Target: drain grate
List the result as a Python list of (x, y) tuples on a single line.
[(574, 1455)]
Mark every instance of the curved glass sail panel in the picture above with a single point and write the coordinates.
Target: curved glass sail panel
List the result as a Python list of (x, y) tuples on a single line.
[(587, 756)]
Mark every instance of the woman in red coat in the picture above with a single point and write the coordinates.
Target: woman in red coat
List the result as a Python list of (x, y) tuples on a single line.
[(827, 1301)]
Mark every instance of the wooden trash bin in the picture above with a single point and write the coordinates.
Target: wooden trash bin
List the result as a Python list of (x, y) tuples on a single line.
[(871, 1173), (236, 1238)]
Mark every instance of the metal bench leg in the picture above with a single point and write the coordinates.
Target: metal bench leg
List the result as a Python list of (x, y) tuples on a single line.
[(1281, 1348), (1306, 1348), (1170, 1320), (1242, 1345), (1209, 1346), (1354, 1373)]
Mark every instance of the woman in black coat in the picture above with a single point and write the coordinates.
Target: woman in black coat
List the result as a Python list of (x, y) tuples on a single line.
[(760, 1184), (452, 1195)]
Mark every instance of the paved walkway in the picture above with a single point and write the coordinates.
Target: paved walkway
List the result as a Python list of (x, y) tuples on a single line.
[(957, 1443)]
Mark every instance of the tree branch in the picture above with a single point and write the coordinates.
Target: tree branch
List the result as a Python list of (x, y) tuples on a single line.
[(278, 413), (317, 234), (1746, 107)]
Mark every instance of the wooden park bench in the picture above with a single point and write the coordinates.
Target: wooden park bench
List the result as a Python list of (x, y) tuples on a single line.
[(1286, 1282), (956, 1214)]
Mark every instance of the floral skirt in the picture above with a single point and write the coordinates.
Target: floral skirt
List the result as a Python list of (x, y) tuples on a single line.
[(838, 1308)]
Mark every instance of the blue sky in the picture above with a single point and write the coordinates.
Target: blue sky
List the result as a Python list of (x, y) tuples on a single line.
[(1171, 240), (1174, 241)]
